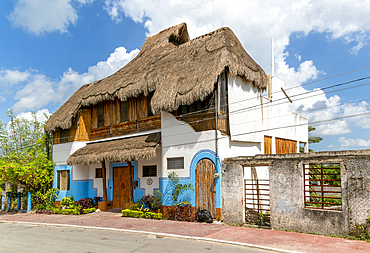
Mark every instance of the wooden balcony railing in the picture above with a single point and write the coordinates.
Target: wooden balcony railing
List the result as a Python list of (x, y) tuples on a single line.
[(149, 123)]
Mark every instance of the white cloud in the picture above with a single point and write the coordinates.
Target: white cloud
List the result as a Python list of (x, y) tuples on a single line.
[(41, 115), (348, 142), (11, 77), (36, 90), (35, 94), (40, 16)]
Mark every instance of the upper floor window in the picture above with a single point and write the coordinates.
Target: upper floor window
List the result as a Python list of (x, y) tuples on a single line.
[(100, 114), (124, 111), (64, 134)]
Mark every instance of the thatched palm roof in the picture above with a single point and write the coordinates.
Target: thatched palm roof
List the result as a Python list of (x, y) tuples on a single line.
[(128, 149), (178, 70)]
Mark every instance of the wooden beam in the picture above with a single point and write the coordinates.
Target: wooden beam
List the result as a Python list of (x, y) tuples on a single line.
[(104, 180), (130, 184)]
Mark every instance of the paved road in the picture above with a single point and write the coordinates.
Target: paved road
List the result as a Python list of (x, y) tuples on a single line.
[(36, 238)]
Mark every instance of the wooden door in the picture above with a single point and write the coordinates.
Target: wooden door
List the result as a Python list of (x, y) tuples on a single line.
[(122, 186), (206, 186)]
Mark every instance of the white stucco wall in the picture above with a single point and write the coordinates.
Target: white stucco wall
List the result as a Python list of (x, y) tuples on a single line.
[(180, 140), (61, 152), (143, 180), (245, 112), (252, 117)]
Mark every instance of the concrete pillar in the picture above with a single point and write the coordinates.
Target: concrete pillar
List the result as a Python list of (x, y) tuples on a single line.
[(232, 188)]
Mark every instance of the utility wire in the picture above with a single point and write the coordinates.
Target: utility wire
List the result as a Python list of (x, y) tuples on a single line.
[(301, 85)]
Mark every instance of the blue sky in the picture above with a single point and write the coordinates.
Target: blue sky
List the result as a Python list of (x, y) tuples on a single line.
[(49, 48)]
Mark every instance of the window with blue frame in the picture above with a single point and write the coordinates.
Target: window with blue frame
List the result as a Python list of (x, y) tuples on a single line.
[(63, 180)]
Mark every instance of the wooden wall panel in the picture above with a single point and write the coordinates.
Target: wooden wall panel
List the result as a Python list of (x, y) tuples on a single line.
[(132, 115), (108, 113), (116, 111), (73, 129), (142, 106), (84, 126), (267, 145), (94, 116), (56, 136)]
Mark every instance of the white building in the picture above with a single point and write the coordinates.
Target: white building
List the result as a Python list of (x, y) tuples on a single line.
[(120, 137)]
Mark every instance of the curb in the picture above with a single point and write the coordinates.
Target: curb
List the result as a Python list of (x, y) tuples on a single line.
[(155, 233)]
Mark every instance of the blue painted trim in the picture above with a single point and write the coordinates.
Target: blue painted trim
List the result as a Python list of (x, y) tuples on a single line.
[(79, 189), (164, 183), (2, 203), (18, 203), (29, 201), (137, 192)]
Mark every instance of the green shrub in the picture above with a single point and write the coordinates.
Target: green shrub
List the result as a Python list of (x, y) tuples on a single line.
[(68, 201), (89, 210), (67, 211), (140, 214), (135, 206)]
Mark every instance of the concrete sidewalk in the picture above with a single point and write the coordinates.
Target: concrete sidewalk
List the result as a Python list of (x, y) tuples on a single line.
[(253, 237)]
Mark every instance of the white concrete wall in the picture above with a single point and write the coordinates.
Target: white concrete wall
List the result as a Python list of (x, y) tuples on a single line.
[(252, 117), (180, 140), (143, 180), (245, 112), (61, 152)]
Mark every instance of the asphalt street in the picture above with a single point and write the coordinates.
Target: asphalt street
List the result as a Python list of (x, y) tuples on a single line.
[(38, 238)]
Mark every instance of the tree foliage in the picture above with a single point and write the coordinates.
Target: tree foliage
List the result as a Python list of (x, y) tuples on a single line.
[(25, 159), (313, 139)]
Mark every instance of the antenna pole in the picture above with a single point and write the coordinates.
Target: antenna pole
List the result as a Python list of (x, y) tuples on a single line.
[(272, 58)]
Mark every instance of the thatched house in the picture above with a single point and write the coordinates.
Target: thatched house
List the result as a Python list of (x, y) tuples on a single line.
[(121, 136)]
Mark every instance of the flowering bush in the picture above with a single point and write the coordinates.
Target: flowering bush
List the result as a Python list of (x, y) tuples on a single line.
[(25, 151)]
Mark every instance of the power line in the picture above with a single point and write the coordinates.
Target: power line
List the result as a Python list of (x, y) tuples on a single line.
[(301, 85)]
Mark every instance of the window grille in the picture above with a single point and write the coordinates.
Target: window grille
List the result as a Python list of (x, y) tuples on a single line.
[(175, 163), (150, 171), (98, 173), (322, 186)]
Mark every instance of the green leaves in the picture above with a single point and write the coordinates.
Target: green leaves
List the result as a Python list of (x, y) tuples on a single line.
[(177, 188)]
